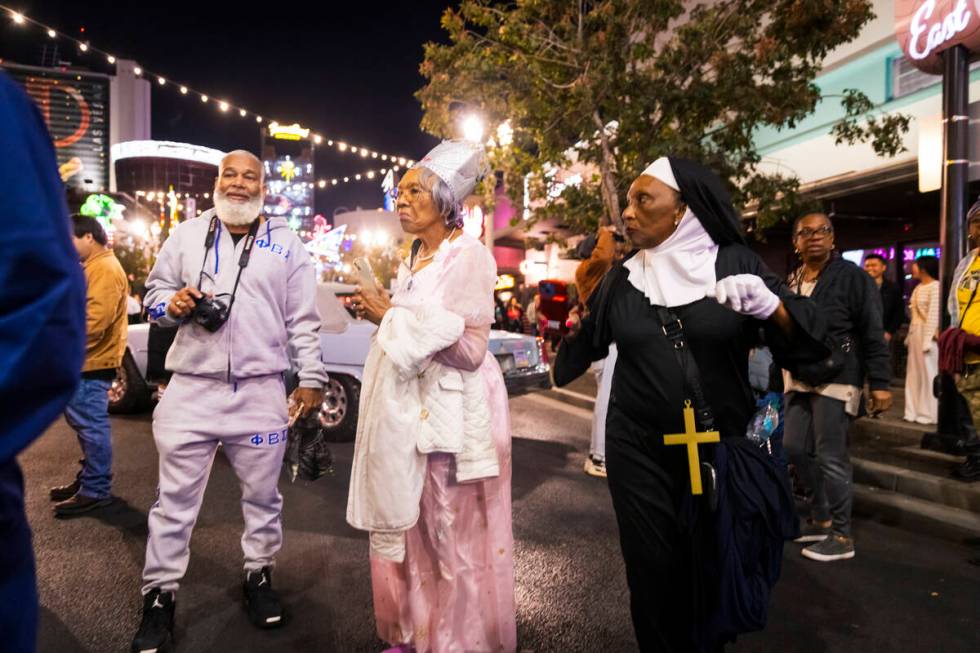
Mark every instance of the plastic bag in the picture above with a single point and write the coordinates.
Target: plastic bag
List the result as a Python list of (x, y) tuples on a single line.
[(764, 423), (307, 454)]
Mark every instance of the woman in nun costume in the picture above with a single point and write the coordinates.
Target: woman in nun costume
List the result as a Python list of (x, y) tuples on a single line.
[(691, 274), (431, 472)]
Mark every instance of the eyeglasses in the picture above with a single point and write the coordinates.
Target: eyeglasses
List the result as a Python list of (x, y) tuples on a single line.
[(413, 193), (807, 232)]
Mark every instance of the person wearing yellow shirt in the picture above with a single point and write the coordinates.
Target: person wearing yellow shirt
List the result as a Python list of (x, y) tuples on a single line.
[(964, 310)]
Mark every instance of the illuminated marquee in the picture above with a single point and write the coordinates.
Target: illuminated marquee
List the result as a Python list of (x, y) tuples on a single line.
[(291, 132), (166, 150)]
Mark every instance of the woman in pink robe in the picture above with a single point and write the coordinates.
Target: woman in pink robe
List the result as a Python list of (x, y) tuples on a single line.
[(454, 591)]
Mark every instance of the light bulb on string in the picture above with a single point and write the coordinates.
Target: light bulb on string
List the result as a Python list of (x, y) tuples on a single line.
[(52, 34), (83, 47), (137, 71), (161, 81), (204, 98), (242, 112), (17, 17), (183, 90), (111, 59), (258, 118), (333, 181)]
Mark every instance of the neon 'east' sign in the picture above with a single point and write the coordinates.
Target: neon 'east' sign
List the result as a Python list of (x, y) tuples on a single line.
[(938, 32), (927, 28)]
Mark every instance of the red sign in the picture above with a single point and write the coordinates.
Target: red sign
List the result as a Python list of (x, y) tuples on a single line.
[(927, 27)]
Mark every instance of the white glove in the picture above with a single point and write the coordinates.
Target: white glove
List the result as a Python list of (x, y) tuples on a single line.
[(746, 294)]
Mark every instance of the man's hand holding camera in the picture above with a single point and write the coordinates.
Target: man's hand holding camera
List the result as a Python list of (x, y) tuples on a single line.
[(183, 302)]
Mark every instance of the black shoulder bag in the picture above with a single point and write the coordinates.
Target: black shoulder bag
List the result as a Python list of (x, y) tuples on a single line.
[(826, 370), (673, 329)]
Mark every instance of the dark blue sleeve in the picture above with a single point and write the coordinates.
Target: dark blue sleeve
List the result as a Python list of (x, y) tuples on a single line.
[(42, 290)]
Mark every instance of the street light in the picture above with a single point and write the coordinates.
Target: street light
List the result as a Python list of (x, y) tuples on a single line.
[(505, 134), (473, 128)]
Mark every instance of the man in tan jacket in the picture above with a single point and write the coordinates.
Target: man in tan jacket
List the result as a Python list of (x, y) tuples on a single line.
[(88, 410), (610, 247)]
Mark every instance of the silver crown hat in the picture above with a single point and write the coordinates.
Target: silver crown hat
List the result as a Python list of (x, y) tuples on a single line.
[(460, 164)]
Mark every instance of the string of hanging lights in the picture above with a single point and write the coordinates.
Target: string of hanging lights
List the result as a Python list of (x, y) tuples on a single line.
[(223, 106)]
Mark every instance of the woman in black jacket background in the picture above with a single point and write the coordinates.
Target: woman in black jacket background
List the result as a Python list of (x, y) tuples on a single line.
[(822, 400)]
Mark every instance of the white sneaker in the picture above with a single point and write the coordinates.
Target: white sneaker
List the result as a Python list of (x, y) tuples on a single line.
[(595, 467)]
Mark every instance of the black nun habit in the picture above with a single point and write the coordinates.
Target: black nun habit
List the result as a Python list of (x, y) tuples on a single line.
[(688, 591)]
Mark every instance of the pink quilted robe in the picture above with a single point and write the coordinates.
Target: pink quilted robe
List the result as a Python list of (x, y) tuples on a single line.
[(454, 592)]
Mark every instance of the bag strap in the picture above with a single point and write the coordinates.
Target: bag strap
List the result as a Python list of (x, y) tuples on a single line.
[(674, 330)]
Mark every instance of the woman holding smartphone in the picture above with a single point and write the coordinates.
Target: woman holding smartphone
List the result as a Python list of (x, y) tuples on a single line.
[(432, 462)]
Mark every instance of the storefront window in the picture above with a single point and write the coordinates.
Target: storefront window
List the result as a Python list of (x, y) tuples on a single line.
[(906, 79)]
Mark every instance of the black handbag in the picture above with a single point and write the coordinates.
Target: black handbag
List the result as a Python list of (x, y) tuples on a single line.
[(828, 369)]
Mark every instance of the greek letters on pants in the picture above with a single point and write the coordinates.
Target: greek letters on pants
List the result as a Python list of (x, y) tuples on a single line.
[(815, 439), (194, 416)]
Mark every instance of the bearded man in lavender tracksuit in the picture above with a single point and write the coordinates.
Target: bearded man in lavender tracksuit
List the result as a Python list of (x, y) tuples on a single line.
[(228, 362)]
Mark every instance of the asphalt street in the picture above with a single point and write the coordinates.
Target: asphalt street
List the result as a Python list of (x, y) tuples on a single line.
[(904, 591)]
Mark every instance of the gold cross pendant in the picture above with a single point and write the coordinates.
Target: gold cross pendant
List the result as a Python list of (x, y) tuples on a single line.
[(692, 439)]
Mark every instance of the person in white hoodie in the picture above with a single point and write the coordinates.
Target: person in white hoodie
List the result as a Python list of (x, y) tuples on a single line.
[(431, 473), (242, 289)]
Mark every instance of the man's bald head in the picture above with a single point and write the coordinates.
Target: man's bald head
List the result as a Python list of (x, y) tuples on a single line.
[(243, 159)]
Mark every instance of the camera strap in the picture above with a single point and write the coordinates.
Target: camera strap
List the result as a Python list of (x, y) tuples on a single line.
[(242, 260)]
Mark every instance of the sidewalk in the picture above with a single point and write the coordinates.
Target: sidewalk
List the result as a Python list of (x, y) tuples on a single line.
[(896, 482)]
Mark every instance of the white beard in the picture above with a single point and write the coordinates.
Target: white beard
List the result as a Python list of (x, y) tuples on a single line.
[(235, 214)]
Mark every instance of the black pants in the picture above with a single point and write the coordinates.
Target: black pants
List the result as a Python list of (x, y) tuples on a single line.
[(649, 482), (815, 438), (18, 587)]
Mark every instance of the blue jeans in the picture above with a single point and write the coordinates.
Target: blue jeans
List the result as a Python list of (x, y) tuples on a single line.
[(88, 413)]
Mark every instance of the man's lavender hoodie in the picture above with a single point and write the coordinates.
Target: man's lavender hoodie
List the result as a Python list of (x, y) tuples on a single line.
[(274, 314)]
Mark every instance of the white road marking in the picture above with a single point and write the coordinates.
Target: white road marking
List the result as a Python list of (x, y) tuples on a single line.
[(554, 404)]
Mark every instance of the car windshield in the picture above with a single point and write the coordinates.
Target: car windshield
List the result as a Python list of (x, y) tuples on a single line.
[(333, 316)]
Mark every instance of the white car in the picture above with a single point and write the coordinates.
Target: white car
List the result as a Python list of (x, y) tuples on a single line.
[(345, 341)]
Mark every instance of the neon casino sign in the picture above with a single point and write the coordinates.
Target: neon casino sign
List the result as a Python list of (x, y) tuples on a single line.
[(910, 254)]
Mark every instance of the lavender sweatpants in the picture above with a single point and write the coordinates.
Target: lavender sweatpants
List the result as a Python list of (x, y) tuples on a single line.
[(249, 419)]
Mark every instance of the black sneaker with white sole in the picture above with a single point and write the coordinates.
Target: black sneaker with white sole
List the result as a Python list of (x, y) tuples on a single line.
[(835, 547), (156, 633), (811, 531), (261, 601)]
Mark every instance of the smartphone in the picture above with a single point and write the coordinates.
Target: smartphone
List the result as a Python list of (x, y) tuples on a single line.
[(365, 275)]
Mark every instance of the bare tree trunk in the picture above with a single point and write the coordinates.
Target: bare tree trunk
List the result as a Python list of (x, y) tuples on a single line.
[(607, 174)]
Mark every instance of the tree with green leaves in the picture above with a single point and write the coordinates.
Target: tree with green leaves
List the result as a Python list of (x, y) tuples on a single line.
[(606, 86)]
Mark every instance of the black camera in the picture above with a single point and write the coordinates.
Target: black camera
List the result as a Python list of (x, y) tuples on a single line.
[(210, 313)]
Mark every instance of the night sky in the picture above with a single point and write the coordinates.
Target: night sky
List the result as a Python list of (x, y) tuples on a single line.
[(345, 69)]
